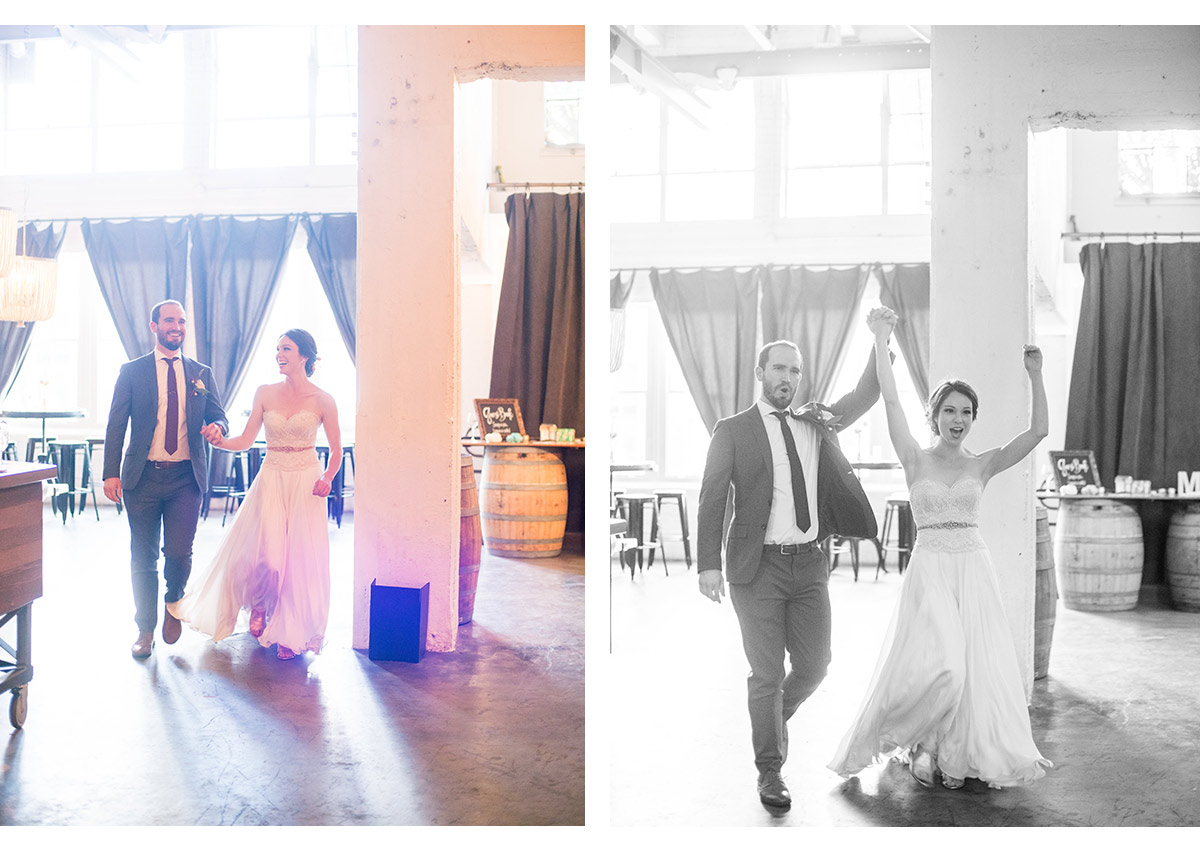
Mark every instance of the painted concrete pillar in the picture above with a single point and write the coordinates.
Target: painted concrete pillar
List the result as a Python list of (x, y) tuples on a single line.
[(979, 246), (409, 339)]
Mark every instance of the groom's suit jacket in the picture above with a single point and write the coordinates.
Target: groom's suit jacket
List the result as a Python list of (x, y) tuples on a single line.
[(135, 404), (740, 456)]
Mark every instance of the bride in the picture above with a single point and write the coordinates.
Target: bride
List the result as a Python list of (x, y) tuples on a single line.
[(274, 560), (946, 694)]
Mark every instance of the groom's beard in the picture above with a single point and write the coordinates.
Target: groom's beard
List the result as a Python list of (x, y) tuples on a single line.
[(168, 343)]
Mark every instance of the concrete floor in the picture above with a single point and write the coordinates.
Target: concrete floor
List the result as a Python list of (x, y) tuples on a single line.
[(1118, 715), (204, 734)]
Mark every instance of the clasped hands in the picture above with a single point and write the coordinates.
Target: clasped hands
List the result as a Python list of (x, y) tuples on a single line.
[(213, 434), (882, 321)]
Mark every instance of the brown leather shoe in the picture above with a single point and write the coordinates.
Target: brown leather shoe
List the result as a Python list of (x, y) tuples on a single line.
[(171, 628), (143, 645), (772, 791)]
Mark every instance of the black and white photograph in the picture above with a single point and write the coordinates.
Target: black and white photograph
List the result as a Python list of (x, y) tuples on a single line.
[(903, 399)]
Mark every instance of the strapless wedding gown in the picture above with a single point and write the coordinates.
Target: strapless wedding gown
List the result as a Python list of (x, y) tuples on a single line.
[(275, 556), (947, 676)]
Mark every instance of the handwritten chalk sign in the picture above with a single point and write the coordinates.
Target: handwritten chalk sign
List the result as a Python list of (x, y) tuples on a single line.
[(1075, 467), (499, 416)]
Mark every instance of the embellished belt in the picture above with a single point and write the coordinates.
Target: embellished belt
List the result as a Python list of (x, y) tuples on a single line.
[(949, 524), (290, 448)]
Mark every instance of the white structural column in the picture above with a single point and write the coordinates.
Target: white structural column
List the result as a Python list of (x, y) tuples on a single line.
[(993, 86), (979, 247), (408, 337)]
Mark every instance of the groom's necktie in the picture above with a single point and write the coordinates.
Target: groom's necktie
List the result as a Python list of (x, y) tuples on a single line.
[(799, 491), (171, 434)]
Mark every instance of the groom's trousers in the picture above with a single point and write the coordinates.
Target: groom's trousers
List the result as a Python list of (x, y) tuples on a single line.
[(784, 610), (163, 509)]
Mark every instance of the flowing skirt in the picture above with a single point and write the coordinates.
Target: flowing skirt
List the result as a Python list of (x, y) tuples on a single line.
[(275, 558), (947, 678)]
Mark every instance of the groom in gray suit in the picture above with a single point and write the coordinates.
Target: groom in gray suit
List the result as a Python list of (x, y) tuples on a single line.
[(172, 405), (791, 488)]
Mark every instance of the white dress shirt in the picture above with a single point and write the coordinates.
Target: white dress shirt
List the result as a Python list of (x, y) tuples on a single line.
[(158, 450), (781, 525)]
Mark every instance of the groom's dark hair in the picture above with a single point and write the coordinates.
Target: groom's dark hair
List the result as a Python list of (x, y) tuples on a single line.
[(305, 345), (154, 311), (765, 352)]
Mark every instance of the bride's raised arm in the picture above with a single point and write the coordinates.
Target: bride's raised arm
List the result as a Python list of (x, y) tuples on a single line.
[(250, 433), (1039, 420), (881, 322)]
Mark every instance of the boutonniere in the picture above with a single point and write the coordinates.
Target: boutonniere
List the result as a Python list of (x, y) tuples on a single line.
[(198, 388), (821, 416)]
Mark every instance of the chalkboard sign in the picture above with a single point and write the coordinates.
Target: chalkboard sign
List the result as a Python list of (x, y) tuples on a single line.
[(499, 416), (1075, 467)]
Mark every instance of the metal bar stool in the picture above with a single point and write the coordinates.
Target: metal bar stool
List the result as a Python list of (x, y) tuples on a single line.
[(64, 491), (633, 508), (31, 454), (897, 514), (680, 500), (339, 490), (226, 478), (10, 452), (835, 545)]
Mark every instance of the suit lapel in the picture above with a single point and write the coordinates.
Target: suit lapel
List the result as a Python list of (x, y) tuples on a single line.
[(759, 429)]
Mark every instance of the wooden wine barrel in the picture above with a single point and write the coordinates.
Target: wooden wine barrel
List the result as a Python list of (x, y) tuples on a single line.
[(1183, 559), (470, 542), (1045, 601), (1098, 555), (524, 501)]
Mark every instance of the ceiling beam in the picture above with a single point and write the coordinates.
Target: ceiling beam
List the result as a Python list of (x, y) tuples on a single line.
[(807, 60)]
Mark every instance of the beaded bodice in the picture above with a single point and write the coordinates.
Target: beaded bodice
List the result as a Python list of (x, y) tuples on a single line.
[(291, 440), (947, 516)]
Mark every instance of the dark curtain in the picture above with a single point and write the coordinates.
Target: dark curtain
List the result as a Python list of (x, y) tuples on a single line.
[(618, 295), (235, 269), (1135, 385), (138, 263), (816, 309), (14, 340), (905, 289), (710, 317), (538, 354), (333, 247)]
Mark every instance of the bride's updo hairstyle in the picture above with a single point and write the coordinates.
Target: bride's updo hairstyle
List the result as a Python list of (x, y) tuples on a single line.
[(939, 396), (306, 346)]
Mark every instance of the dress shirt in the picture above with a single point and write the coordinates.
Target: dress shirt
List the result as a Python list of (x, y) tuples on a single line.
[(158, 451), (781, 525)]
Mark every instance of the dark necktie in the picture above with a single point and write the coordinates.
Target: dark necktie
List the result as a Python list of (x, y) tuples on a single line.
[(171, 435), (799, 492)]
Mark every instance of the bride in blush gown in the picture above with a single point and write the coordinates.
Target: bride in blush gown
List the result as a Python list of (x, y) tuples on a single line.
[(946, 695), (274, 560)]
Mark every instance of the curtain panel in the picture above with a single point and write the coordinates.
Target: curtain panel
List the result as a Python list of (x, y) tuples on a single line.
[(32, 241), (711, 319), (138, 263), (538, 353), (333, 247), (618, 295), (236, 266), (905, 289), (816, 308), (1135, 387)]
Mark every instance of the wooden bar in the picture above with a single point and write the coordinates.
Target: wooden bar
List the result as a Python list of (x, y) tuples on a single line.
[(21, 533)]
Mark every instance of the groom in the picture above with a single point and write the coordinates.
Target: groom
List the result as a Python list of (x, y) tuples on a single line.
[(792, 487), (173, 407)]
